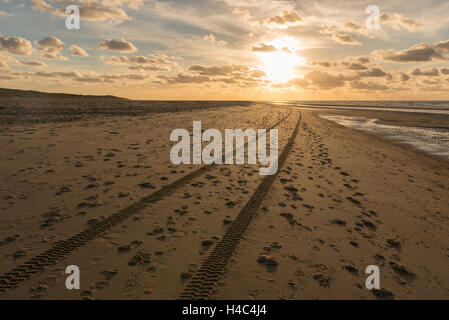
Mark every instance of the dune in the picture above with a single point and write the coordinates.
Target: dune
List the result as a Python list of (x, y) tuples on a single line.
[(15, 93)]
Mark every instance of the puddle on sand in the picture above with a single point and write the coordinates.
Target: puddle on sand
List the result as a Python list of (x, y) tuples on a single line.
[(433, 141)]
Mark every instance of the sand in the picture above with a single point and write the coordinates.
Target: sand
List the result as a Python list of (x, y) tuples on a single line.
[(342, 200)]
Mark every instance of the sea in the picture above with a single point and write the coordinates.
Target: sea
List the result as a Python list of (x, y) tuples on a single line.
[(430, 140)]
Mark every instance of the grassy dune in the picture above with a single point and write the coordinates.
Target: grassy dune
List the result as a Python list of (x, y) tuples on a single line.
[(13, 93)]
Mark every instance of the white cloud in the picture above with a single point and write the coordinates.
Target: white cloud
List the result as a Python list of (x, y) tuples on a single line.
[(345, 39), (33, 63), (120, 45), (16, 45), (77, 51), (285, 19), (51, 45), (89, 10), (399, 21), (213, 39)]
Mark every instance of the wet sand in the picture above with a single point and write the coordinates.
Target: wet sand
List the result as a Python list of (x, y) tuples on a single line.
[(343, 200), (423, 120)]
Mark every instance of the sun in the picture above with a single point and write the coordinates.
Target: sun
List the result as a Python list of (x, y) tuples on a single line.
[(280, 65)]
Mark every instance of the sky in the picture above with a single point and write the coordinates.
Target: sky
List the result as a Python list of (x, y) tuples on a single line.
[(229, 49)]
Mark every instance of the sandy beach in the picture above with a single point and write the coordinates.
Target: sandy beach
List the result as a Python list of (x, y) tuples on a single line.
[(90, 183)]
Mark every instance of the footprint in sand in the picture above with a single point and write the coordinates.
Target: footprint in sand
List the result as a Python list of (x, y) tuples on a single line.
[(109, 274), (383, 294), (269, 262), (402, 271)]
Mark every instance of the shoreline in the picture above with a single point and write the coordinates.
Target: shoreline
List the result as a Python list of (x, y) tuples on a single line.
[(406, 146)]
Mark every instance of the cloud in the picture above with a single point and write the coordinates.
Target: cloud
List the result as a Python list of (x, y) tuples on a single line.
[(90, 77), (52, 56), (373, 73), (77, 51), (320, 80), (133, 4), (218, 70), (355, 63), (264, 48), (362, 59), (98, 12), (405, 77), (50, 48), (324, 64), (14, 75), (139, 60), (345, 39), (184, 79), (137, 77), (240, 75), (371, 86), (16, 45), (51, 45), (163, 59), (286, 19), (121, 60), (89, 10), (258, 73), (443, 46), (42, 5), (345, 33), (432, 81), (33, 63), (148, 68), (351, 26), (399, 21), (325, 80), (240, 11), (212, 39), (70, 74), (120, 45), (427, 73), (418, 53)]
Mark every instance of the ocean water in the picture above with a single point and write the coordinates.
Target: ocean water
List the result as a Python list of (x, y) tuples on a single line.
[(424, 105), (434, 141), (409, 110)]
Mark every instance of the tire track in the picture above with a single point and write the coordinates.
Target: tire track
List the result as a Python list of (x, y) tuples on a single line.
[(202, 283), (63, 248)]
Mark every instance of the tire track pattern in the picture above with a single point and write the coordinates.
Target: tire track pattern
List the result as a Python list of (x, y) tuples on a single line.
[(203, 282), (63, 248)]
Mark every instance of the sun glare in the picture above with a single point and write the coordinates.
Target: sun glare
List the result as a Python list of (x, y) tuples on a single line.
[(280, 65)]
